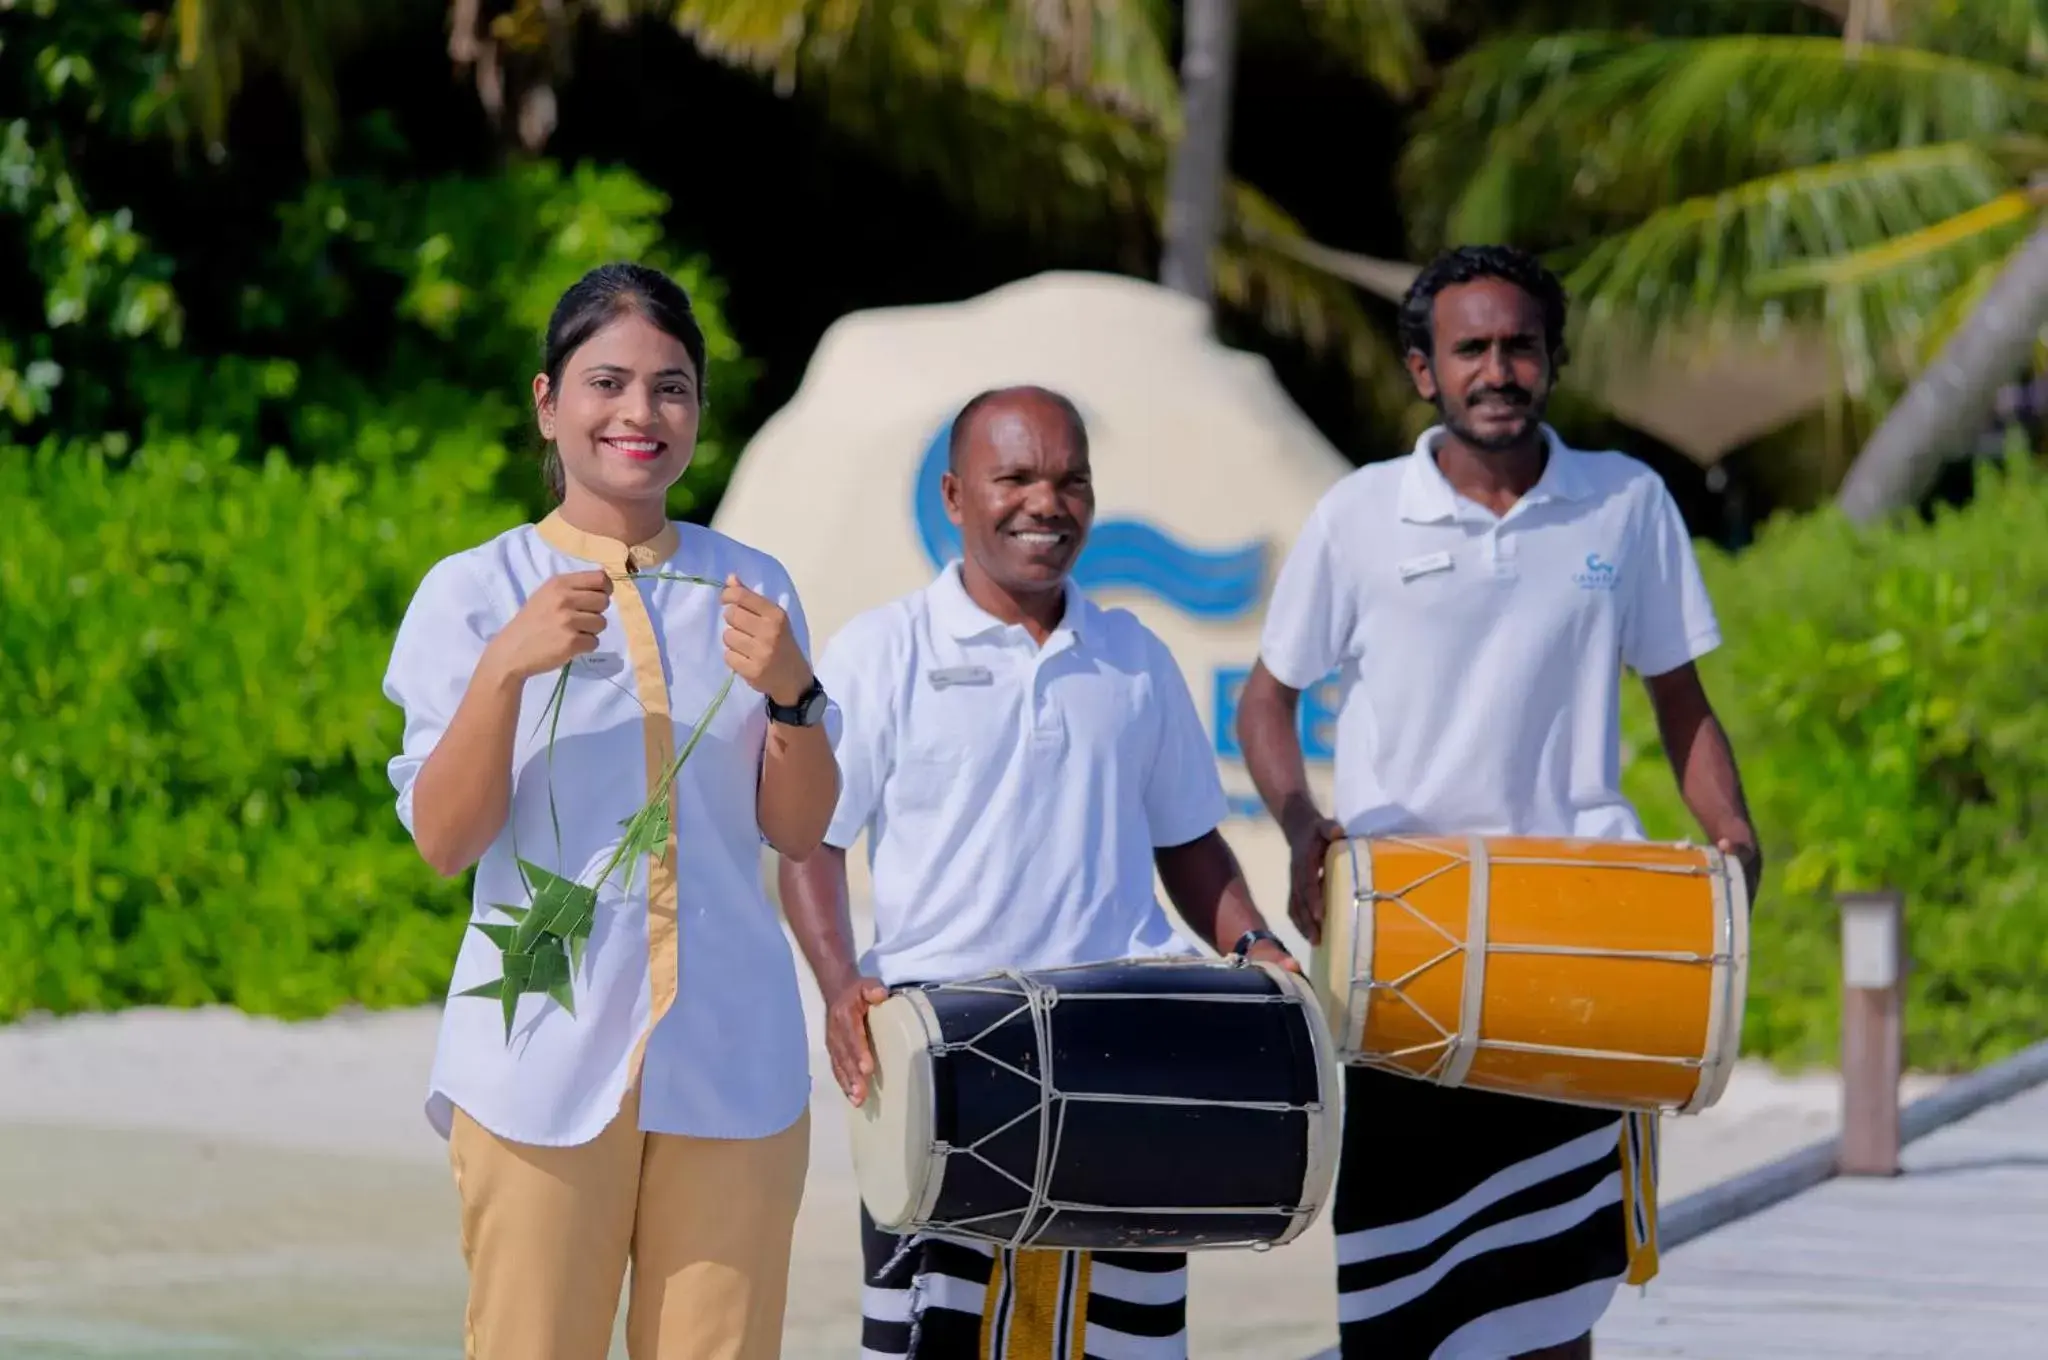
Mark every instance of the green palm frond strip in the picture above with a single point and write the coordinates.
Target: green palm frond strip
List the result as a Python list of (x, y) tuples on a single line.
[(541, 948)]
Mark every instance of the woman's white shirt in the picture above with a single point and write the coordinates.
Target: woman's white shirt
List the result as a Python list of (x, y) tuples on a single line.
[(729, 1058)]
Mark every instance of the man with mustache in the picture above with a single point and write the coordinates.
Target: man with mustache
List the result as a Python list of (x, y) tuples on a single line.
[(1021, 761), (1481, 596)]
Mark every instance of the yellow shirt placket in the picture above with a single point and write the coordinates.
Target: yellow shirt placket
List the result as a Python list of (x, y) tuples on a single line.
[(643, 651)]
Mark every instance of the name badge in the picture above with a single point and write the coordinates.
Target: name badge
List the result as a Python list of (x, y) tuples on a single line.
[(1425, 566), (949, 676)]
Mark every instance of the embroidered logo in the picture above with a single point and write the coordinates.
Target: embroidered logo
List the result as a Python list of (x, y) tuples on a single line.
[(1598, 574)]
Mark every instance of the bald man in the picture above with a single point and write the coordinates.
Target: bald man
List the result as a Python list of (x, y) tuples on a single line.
[(1020, 760)]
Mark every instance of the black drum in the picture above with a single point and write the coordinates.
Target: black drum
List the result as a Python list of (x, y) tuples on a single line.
[(1166, 1105)]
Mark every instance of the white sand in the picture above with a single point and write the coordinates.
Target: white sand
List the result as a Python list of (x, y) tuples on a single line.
[(207, 1184)]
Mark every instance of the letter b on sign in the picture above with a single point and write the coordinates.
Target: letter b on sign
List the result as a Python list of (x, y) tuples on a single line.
[(1315, 718)]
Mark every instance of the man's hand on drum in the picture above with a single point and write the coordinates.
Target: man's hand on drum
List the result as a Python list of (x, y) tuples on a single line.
[(1749, 857), (1308, 844), (846, 1035)]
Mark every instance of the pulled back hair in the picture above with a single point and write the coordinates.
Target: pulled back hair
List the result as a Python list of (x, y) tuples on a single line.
[(1466, 264), (594, 302)]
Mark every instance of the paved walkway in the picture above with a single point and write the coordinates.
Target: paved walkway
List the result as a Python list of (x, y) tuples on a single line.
[(207, 1186), (1947, 1262)]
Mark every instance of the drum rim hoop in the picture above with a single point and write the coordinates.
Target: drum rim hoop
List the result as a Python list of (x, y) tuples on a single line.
[(935, 1165), (1731, 982), (1344, 992), (929, 1179), (1325, 1124)]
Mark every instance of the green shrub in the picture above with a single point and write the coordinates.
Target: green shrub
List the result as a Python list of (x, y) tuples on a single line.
[(1884, 694), (194, 799), (322, 382), (456, 302)]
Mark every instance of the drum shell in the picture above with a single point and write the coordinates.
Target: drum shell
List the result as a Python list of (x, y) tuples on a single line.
[(1153, 1065), (1613, 974)]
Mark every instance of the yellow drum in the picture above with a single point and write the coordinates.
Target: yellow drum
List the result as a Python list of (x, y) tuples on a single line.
[(1606, 973)]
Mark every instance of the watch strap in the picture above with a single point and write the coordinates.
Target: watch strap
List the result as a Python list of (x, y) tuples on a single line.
[(1252, 937), (807, 711)]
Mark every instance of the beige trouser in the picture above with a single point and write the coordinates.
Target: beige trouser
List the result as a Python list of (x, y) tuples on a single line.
[(706, 1223)]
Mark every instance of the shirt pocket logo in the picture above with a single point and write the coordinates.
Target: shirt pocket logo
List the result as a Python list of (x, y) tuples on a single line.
[(1596, 573)]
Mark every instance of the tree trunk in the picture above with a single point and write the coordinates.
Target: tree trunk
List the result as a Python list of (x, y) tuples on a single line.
[(1194, 190), (1946, 407)]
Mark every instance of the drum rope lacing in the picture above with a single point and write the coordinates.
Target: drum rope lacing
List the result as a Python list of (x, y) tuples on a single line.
[(1454, 1049), (1038, 1000)]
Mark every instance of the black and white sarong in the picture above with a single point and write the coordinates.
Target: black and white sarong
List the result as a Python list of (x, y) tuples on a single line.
[(928, 1299), (1476, 1226)]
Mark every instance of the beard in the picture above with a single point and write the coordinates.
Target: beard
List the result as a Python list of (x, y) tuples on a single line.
[(1529, 406)]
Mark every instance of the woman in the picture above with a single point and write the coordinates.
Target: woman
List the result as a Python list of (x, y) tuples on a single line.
[(664, 1119)]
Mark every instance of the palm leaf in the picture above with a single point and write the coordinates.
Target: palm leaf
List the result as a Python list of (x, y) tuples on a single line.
[(221, 42), (2011, 32), (1870, 247), (1449, 169), (1379, 39), (1104, 52), (561, 908), (1676, 18), (1651, 122), (1268, 269)]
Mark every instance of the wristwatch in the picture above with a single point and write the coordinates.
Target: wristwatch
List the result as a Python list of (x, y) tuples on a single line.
[(1252, 937), (807, 711)]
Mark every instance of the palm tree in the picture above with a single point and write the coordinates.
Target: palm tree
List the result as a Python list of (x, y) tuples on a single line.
[(1748, 175), (1945, 406), (1060, 117), (1194, 193), (1382, 33), (217, 41)]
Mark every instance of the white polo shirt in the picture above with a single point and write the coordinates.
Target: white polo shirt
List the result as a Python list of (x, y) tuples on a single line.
[(1013, 794), (1480, 657), (730, 1058)]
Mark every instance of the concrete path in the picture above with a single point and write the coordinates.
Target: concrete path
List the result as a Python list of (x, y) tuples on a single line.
[(1948, 1261), (215, 1187)]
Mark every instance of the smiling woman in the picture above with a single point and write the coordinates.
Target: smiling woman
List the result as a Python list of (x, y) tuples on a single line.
[(564, 685), (630, 437)]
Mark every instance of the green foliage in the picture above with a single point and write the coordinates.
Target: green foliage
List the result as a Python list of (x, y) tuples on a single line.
[(1883, 693), (72, 265), (441, 290), (240, 415), (301, 40), (1750, 182), (192, 644), (373, 297)]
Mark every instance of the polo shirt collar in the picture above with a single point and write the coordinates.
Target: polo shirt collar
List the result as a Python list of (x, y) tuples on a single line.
[(1426, 495), (957, 613)]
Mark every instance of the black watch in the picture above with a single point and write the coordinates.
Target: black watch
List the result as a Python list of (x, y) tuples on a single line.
[(807, 711), (1252, 937)]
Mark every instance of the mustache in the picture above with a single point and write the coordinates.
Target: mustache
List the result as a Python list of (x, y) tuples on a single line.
[(1510, 392)]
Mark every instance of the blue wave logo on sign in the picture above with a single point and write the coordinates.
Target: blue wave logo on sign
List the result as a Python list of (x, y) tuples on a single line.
[(1124, 553)]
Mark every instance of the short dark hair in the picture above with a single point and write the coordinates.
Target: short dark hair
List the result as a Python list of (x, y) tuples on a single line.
[(956, 440), (1467, 263), (592, 303)]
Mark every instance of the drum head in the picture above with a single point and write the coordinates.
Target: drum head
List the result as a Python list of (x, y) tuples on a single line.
[(892, 1131)]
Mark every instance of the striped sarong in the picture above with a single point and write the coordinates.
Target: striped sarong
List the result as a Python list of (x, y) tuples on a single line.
[(1472, 1225), (928, 1299)]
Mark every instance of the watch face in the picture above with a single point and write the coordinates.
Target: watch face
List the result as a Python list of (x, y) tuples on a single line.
[(814, 708)]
